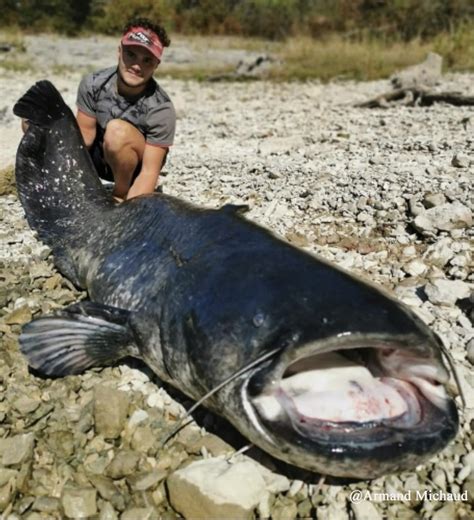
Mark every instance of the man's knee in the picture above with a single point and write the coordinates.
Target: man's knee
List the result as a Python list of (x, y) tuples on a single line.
[(120, 134)]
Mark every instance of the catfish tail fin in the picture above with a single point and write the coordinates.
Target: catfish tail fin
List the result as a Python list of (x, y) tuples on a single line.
[(57, 184), (41, 105)]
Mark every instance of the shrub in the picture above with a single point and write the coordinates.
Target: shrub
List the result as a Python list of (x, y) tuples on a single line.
[(109, 16)]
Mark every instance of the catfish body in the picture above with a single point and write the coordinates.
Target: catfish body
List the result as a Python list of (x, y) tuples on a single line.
[(199, 294)]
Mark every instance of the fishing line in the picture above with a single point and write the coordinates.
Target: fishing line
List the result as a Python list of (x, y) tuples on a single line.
[(181, 424)]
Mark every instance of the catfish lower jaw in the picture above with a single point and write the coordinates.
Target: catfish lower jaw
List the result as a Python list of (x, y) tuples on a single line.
[(345, 413)]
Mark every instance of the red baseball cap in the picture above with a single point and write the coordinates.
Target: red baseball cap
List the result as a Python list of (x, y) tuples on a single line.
[(144, 38)]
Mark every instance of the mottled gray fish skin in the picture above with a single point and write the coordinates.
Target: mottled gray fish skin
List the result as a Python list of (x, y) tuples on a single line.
[(200, 293)]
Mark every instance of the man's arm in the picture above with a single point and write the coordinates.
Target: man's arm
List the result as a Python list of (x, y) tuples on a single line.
[(147, 180), (87, 125)]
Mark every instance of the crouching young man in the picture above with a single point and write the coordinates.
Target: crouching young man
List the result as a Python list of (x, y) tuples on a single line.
[(126, 119)]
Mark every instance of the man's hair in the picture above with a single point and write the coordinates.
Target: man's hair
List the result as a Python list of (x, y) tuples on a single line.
[(148, 24)]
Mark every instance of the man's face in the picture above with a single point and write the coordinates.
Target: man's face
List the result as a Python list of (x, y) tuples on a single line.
[(136, 65)]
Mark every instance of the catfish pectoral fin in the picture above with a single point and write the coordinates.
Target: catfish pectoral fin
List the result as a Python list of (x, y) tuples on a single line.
[(81, 336)]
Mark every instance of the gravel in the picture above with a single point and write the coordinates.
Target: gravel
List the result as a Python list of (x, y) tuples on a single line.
[(342, 182)]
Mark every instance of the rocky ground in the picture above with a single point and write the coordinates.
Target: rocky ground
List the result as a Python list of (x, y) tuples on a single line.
[(385, 193)]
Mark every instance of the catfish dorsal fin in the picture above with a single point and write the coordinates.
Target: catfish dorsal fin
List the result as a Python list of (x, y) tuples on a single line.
[(238, 209), (79, 337)]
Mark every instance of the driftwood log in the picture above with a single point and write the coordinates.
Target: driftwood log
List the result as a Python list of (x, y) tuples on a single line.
[(416, 96), (249, 68)]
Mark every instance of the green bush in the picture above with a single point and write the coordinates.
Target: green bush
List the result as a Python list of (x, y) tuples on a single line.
[(109, 16), (206, 17), (66, 16), (387, 20), (272, 19)]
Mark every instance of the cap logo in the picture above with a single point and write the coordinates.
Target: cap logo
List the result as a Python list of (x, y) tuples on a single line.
[(140, 37)]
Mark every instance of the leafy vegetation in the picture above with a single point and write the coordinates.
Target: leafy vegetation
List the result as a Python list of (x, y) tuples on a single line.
[(362, 39), (274, 19)]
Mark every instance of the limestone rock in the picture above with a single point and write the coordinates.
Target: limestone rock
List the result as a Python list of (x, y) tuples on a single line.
[(213, 445), (79, 502), (215, 489), (46, 504), (284, 509), (468, 488), (108, 512), (124, 463), (17, 449), (447, 511), (460, 161), (19, 316), (430, 200), (470, 353), (441, 252), (415, 268), (365, 510), (110, 411), (445, 217), (6, 474), (446, 292), (139, 513), (145, 481)]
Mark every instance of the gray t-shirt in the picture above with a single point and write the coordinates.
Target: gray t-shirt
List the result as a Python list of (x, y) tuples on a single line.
[(152, 113)]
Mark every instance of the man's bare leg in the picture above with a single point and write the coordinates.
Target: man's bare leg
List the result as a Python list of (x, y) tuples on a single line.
[(123, 149)]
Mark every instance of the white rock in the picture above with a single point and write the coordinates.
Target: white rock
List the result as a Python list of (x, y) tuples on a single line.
[(137, 417), (441, 252), (415, 268), (16, 449), (415, 206), (408, 295), (43, 252), (365, 510), (446, 217), (430, 200), (468, 460), (446, 512), (464, 472), (264, 506), (438, 476), (333, 512), (446, 292), (470, 354), (155, 400), (108, 512), (215, 488), (460, 160), (425, 314), (274, 482), (295, 487), (461, 260), (409, 251)]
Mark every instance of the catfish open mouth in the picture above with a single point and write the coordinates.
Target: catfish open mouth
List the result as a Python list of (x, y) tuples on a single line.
[(354, 401), (352, 387)]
